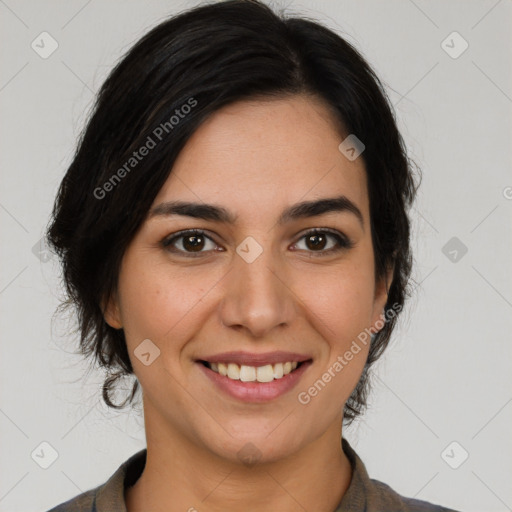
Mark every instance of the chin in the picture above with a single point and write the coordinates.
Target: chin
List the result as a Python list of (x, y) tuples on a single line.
[(257, 446)]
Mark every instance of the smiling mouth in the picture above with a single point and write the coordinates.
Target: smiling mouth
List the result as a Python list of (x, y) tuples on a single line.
[(244, 373)]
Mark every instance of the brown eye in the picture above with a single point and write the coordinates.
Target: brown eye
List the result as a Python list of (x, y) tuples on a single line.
[(189, 242), (324, 241), (316, 241), (193, 242)]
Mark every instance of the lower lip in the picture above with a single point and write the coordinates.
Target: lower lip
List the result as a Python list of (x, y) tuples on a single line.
[(256, 391)]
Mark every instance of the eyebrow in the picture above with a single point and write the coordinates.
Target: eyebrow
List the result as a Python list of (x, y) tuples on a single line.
[(219, 214)]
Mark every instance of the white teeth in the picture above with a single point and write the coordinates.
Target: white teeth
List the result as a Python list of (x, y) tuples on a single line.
[(265, 373), (278, 370), (246, 373), (233, 371)]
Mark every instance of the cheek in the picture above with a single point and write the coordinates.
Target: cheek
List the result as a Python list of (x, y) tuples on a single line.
[(339, 301), (160, 302), (340, 307), (341, 312)]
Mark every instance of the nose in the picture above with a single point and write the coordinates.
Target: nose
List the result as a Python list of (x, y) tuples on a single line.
[(258, 297)]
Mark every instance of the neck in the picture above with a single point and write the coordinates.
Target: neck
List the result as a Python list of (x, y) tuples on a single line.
[(181, 476)]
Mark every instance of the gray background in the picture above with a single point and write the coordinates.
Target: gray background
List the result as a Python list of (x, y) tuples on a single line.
[(446, 376)]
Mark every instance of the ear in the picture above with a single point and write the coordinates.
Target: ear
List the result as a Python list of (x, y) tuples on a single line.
[(380, 298), (111, 312)]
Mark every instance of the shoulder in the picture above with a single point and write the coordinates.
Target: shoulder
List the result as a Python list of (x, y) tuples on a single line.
[(365, 493), (383, 497), (82, 503), (109, 496)]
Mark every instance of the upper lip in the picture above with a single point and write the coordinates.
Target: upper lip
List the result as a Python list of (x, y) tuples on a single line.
[(253, 359)]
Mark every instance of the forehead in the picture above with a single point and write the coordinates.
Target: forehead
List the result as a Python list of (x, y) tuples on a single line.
[(258, 156)]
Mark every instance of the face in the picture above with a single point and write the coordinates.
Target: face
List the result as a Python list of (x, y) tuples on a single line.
[(254, 288)]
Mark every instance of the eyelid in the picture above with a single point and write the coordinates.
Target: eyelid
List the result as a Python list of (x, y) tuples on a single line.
[(344, 242), (167, 242)]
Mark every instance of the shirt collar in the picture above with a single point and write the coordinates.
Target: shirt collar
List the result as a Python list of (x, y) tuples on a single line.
[(361, 494)]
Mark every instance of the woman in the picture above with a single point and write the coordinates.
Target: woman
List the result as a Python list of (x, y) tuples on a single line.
[(234, 233)]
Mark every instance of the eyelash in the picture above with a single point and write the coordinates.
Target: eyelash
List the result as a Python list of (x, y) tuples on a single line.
[(343, 242)]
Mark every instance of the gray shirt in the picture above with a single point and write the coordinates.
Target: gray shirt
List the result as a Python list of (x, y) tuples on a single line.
[(363, 494)]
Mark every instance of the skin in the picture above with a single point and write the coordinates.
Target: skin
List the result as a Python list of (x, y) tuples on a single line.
[(254, 159)]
